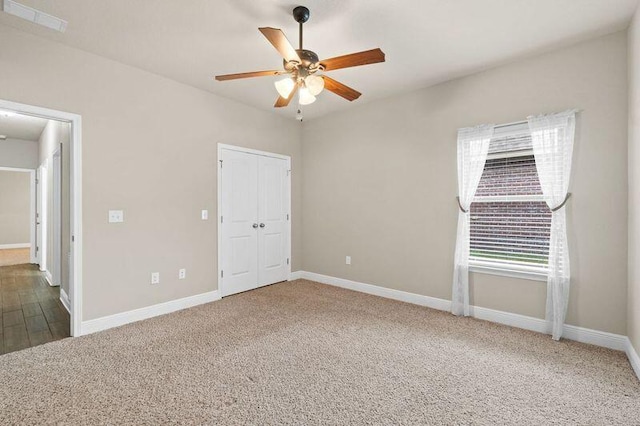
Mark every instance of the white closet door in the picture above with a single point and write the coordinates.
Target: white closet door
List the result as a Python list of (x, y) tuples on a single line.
[(239, 230), (272, 212)]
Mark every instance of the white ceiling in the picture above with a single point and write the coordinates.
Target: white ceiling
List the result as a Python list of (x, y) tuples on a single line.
[(425, 41), (20, 126)]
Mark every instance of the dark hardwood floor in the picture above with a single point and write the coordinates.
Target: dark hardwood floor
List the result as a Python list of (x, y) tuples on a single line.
[(31, 312)]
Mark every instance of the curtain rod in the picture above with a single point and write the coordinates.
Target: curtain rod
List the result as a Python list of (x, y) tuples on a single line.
[(516, 123)]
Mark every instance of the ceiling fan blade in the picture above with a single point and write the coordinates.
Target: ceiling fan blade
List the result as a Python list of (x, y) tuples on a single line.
[(248, 75), (340, 89), (277, 38), (353, 60), (283, 102)]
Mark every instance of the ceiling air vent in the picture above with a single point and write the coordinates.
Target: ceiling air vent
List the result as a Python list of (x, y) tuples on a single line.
[(33, 15)]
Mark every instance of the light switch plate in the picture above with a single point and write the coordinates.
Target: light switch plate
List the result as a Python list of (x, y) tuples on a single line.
[(205, 214), (116, 216), (155, 278), (348, 260)]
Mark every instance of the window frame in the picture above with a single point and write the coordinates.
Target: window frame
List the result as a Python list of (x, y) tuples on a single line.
[(498, 268)]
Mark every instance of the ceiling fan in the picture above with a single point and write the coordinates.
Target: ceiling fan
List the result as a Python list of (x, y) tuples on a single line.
[(303, 67)]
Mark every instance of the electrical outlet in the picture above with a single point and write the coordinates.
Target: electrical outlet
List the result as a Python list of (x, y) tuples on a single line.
[(116, 216), (155, 278), (205, 214), (182, 274), (348, 260)]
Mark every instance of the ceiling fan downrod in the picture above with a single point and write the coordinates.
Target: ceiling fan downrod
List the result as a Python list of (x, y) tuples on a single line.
[(301, 15)]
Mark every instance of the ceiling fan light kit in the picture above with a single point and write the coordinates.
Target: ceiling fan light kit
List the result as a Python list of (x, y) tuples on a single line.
[(305, 97), (304, 69), (285, 86)]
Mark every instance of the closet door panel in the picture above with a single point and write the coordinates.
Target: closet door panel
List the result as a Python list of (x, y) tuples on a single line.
[(239, 225), (273, 216)]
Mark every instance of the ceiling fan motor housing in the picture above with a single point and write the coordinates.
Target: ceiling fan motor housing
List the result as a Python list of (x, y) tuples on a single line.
[(308, 60)]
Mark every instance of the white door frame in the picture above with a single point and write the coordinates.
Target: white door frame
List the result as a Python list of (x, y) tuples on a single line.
[(32, 208), (56, 217), (43, 215), (287, 158), (75, 273)]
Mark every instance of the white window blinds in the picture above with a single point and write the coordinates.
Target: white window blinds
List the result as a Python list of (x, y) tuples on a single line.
[(510, 222)]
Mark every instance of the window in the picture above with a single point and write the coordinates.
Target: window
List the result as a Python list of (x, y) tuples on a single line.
[(510, 222)]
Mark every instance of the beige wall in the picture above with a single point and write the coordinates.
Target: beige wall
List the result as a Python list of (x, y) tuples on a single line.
[(19, 154), (149, 148), (379, 182), (15, 207), (633, 308)]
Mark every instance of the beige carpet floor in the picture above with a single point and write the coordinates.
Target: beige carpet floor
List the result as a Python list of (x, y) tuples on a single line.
[(305, 353), (10, 257)]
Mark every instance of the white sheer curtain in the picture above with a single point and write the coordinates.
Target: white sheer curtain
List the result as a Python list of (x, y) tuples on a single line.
[(552, 136), (473, 146)]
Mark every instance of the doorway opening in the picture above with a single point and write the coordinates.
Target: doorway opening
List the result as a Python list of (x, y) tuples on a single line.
[(17, 212), (41, 297)]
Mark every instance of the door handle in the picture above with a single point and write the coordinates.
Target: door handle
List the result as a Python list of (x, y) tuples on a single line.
[(255, 225), (262, 225)]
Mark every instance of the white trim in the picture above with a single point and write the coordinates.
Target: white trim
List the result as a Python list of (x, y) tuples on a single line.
[(15, 169), (297, 275), (49, 278), (56, 217), (33, 254), (513, 273), (571, 332), (634, 359), (403, 296), (147, 312), (43, 213), (75, 279), (14, 246), (222, 146), (64, 298), (289, 189)]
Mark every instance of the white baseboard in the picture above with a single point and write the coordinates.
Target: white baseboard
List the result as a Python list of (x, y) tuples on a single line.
[(571, 332), (15, 246), (617, 342), (634, 359), (297, 275), (403, 296), (49, 278), (116, 320), (64, 298)]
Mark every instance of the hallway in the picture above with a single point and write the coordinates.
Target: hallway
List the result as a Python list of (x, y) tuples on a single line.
[(31, 313)]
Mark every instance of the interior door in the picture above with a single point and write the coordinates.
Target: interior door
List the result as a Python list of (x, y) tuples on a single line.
[(239, 216), (273, 214)]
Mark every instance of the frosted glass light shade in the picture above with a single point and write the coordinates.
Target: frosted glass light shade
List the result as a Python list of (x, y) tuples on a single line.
[(306, 97), (315, 84), (284, 87)]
